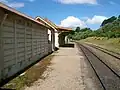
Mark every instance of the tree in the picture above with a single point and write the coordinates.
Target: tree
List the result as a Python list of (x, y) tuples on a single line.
[(119, 17), (85, 29), (109, 20), (77, 29), (110, 29)]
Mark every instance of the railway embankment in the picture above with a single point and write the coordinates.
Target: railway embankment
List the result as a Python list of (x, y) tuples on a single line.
[(112, 44)]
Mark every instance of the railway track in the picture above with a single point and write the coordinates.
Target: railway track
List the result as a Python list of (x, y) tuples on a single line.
[(109, 52), (108, 78)]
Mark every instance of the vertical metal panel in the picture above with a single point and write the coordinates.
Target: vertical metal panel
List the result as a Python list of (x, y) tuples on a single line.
[(25, 54), (1, 46), (8, 46), (20, 37), (15, 44), (28, 44)]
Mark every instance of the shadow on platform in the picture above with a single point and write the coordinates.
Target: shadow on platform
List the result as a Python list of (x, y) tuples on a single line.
[(67, 45)]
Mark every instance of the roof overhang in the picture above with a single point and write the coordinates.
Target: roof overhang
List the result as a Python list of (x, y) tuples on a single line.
[(63, 29), (12, 10), (44, 22)]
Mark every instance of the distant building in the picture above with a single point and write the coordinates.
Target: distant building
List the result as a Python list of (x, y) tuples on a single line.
[(58, 31)]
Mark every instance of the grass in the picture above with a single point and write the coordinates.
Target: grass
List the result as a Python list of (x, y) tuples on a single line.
[(31, 75), (112, 44)]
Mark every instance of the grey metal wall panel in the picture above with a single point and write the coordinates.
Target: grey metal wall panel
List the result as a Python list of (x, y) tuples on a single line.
[(23, 42), (8, 58), (8, 52), (8, 28)]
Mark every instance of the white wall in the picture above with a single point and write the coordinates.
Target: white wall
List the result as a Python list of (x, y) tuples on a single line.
[(49, 33), (56, 39)]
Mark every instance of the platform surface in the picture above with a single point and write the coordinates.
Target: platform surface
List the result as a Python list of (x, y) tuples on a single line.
[(65, 72)]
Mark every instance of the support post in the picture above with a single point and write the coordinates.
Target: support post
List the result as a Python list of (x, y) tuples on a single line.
[(53, 39)]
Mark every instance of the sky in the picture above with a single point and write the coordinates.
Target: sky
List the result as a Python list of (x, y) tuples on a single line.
[(69, 13)]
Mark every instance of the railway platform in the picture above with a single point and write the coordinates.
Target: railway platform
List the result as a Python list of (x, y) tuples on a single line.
[(68, 71), (64, 69)]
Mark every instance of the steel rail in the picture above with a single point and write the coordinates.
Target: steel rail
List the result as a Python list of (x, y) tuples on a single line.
[(93, 68), (82, 47), (107, 51)]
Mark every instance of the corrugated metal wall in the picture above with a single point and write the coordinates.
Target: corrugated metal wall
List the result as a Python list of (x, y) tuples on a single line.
[(22, 42)]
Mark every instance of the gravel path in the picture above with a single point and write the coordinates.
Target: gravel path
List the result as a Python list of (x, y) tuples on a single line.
[(65, 73)]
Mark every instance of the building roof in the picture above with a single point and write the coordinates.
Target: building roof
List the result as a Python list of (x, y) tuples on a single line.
[(7, 8), (52, 24), (64, 29), (44, 21), (58, 27)]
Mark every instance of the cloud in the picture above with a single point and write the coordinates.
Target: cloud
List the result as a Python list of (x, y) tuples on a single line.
[(31, 0), (72, 22), (96, 20), (77, 1), (16, 5), (112, 3), (13, 4), (4, 1), (82, 22)]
